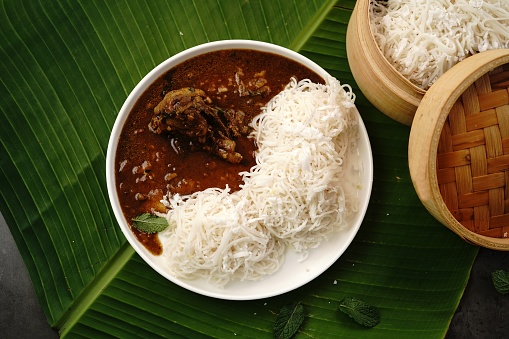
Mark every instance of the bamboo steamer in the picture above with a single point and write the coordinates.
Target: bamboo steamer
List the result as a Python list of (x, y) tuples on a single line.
[(379, 81), (459, 149)]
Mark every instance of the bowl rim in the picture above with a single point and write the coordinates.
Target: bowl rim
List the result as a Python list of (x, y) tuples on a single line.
[(127, 106)]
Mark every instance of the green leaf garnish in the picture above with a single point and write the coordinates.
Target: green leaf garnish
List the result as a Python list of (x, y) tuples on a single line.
[(501, 281), (361, 312), (288, 321), (150, 223)]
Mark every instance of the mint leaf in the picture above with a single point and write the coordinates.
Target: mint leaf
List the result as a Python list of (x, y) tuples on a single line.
[(150, 223), (501, 281), (288, 321), (361, 312)]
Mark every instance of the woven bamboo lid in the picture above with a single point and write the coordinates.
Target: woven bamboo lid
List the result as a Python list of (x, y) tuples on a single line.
[(459, 149)]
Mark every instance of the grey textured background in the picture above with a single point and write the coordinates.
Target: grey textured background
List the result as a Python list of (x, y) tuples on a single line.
[(482, 313), (20, 314)]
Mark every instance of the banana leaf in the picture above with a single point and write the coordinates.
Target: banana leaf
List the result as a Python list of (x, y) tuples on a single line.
[(65, 69)]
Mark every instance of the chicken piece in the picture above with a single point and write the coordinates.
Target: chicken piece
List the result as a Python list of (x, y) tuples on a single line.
[(181, 111), (188, 111), (224, 148), (236, 122)]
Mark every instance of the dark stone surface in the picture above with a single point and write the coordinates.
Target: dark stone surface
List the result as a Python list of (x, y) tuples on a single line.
[(482, 313), (20, 314)]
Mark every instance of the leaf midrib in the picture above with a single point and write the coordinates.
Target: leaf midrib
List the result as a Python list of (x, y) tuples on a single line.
[(94, 289)]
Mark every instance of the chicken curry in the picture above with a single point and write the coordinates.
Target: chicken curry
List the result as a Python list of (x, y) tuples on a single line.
[(190, 129)]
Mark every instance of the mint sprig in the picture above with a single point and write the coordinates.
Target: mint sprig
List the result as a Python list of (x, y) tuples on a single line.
[(288, 321), (149, 223), (363, 313), (501, 281)]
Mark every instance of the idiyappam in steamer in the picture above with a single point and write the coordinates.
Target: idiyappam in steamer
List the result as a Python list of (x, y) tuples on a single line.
[(423, 39)]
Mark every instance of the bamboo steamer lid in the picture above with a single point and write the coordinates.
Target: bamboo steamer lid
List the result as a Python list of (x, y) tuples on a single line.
[(389, 91), (459, 149)]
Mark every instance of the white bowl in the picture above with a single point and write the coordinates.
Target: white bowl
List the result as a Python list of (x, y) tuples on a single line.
[(292, 274)]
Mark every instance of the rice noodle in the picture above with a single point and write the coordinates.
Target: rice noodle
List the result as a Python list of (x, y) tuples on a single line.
[(424, 38), (294, 196)]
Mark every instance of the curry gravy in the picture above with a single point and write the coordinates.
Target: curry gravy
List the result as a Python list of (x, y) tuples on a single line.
[(149, 165)]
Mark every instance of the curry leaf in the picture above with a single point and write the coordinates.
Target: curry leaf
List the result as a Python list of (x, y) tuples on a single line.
[(363, 313), (288, 321), (501, 281), (150, 223)]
